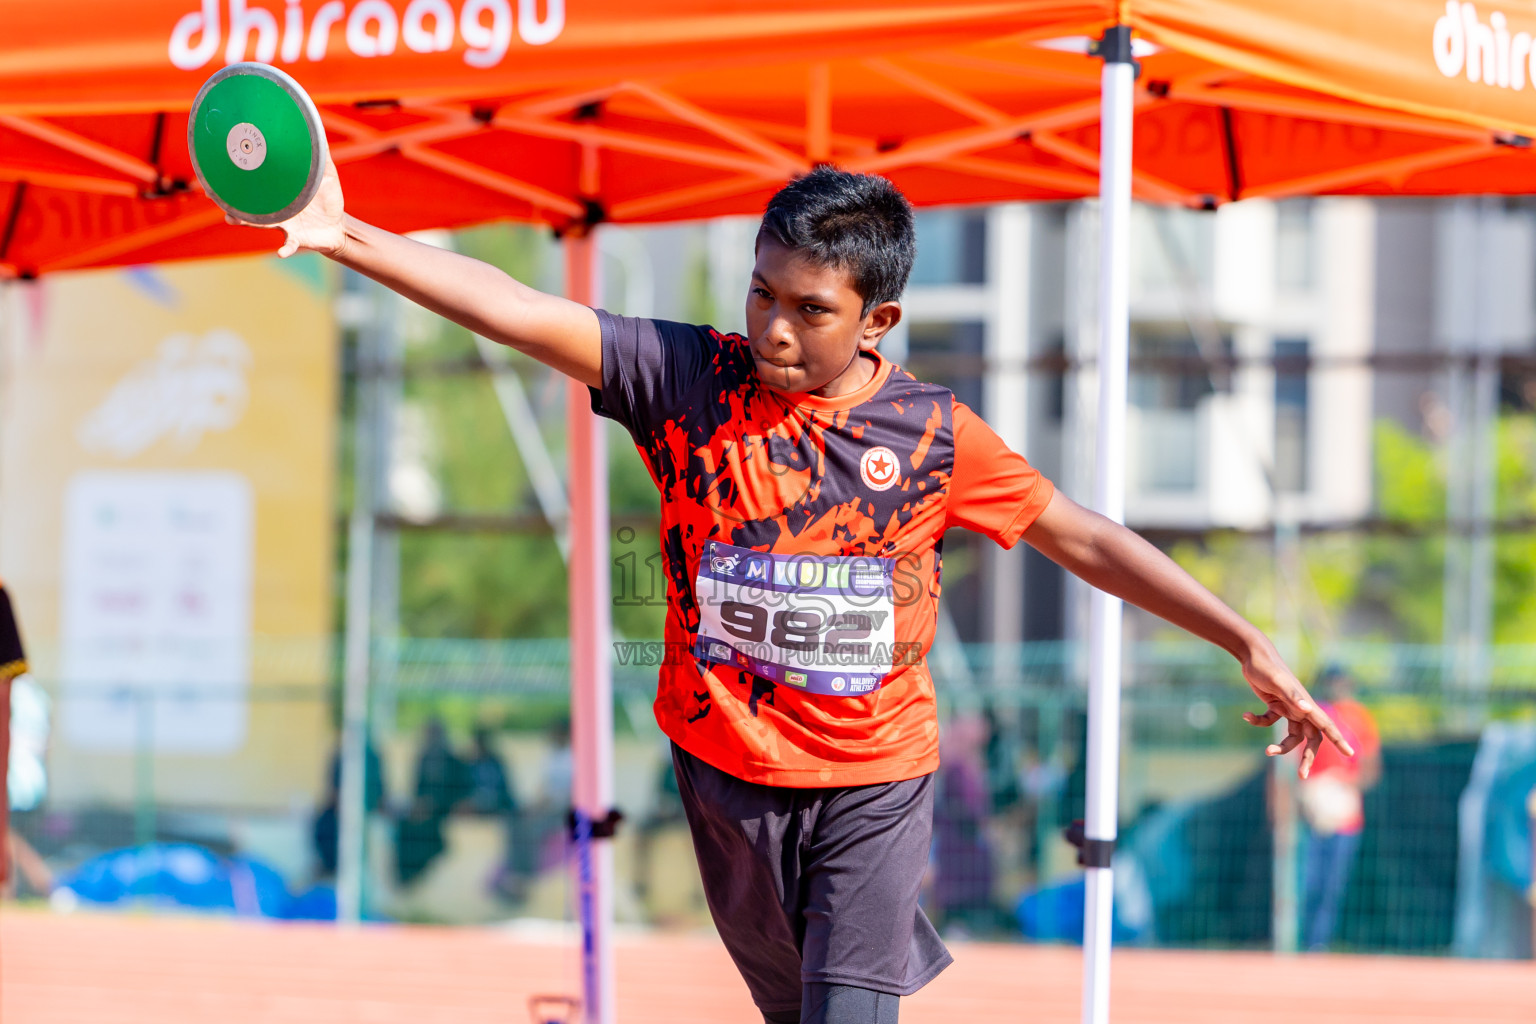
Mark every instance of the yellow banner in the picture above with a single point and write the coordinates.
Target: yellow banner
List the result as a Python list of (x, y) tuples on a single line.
[(166, 525)]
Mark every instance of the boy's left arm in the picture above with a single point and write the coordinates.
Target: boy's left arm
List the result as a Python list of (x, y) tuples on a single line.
[(1116, 560)]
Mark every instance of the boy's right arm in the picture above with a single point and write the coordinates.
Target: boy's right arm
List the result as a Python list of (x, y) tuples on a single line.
[(557, 332)]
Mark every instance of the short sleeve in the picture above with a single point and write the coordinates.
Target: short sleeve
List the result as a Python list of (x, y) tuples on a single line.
[(992, 489), (648, 366)]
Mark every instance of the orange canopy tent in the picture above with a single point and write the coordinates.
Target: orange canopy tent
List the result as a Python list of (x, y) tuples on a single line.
[(574, 112), (449, 112)]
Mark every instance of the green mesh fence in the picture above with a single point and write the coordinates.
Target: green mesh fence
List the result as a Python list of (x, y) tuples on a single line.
[(470, 773)]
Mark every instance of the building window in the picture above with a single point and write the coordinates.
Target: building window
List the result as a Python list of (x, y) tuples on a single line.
[(950, 354), (1171, 249), (1291, 399), (951, 247), (1167, 371), (1293, 244), (1056, 380), (1168, 382)]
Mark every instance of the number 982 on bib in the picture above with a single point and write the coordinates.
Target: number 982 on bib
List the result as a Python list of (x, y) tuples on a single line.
[(823, 624)]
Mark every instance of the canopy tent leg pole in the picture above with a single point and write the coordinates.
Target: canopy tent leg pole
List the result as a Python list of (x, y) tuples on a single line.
[(1104, 616), (591, 667)]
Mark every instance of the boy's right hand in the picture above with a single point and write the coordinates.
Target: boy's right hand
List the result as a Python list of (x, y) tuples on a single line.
[(321, 225)]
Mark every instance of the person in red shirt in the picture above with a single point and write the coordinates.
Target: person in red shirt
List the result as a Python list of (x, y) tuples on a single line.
[(807, 483), (1332, 801)]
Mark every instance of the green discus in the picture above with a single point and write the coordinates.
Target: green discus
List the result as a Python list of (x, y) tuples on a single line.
[(257, 143)]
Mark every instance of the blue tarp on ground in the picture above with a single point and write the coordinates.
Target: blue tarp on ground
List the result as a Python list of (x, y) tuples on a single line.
[(190, 877)]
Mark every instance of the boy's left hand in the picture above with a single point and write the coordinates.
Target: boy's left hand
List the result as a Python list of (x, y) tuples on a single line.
[(1118, 561), (1285, 697)]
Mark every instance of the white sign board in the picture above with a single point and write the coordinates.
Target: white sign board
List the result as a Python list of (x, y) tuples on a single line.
[(156, 599)]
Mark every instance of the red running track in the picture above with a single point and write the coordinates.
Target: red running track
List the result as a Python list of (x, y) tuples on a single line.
[(96, 969)]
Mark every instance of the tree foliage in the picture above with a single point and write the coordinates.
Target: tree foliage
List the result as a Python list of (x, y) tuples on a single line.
[(496, 585), (1386, 586)]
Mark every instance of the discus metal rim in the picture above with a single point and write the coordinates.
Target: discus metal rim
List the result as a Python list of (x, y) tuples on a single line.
[(312, 120)]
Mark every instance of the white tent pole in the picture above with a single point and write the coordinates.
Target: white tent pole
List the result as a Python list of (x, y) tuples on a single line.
[(1104, 616), (591, 666)]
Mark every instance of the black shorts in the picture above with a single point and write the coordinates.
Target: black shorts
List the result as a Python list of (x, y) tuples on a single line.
[(815, 885)]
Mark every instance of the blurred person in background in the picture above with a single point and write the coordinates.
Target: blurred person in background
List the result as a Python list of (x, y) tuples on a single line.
[(23, 744), (666, 812), (491, 795), (490, 787), (442, 781), (1002, 758), (1332, 803), (1042, 782), (326, 830), (963, 872), (559, 766), (538, 842), (27, 783)]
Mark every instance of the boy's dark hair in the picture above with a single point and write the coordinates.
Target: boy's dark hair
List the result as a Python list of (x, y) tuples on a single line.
[(859, 223)]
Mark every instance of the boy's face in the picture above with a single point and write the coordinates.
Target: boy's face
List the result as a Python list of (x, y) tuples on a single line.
[(806, 324)]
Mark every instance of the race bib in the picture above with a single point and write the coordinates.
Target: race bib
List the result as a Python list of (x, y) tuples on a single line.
[(823, 624)]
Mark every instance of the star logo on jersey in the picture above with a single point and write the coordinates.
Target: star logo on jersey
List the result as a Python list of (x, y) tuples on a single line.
[(879, 468)]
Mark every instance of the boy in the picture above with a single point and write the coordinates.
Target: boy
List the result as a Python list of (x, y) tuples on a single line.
[(806, 485)]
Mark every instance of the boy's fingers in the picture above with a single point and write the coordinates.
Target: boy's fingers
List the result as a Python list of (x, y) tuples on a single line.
[(1297, 701), (1269, 717), (1319, 720), (1285, 746), (1314, 740)]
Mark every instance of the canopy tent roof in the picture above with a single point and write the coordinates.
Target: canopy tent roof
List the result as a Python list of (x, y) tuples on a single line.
[(451, 112)]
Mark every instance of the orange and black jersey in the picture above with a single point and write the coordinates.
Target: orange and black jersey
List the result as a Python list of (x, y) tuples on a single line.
[(801, 538)]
